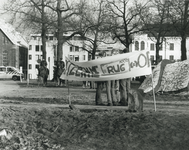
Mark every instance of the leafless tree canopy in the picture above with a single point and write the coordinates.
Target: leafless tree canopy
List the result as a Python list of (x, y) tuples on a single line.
[(104, 21)]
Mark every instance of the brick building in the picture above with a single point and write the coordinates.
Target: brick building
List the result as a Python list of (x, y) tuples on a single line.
[(13, 48)]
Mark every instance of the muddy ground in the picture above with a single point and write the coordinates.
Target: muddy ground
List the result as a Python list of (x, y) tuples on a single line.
[(40, 118)]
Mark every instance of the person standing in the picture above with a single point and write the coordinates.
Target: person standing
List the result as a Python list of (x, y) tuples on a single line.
[(112, 87), (60, 69), (43, 72), (100, 85)]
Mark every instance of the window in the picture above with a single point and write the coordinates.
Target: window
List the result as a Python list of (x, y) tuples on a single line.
[(30, 66), (71, 49), (152, 59), (36, 66), (30, 47), (3, 69), (71, 57), (4, 39), (5, 58), (36, 57), (77, 49), (76, 58), (41, 47), (142, 45), (83, 57), (136, 45), (171, 57), (30, 57), (10, 69), (171, 46), (152, 46), (37, 48), (51, 37)]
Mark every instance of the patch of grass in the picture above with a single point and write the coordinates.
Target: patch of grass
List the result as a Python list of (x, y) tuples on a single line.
[(108, 130)]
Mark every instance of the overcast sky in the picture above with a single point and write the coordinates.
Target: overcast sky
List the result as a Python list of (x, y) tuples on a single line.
[(4, 17)]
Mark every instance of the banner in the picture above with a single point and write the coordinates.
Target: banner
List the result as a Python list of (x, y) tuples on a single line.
[(114, 67)]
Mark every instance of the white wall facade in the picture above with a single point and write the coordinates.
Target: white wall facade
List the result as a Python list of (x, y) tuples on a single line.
[(72, 50), (34, 55), (171, 49), (171, 46)]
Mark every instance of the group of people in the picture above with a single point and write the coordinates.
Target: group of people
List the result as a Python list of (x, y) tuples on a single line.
[(116, 90), (43, 72)]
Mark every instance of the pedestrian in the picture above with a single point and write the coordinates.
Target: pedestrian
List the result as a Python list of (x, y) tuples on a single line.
[(60, 69), (43, 72)]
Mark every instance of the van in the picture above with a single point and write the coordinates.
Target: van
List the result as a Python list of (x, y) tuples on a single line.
[(9, 72)]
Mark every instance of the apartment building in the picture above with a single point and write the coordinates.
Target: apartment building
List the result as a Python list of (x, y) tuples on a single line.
[(71, 49), (170, 48)]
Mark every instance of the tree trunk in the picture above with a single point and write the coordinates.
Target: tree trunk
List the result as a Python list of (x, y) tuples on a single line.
[(157, 53), (60, 32), (183, 48), (43, 36), (43, 31), (184, 31)]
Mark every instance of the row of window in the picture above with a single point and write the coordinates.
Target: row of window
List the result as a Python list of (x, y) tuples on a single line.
[(40, 47), (171, 57), (39, 38), (37, 57), (74, 48), (76, 57), (5, 40), (72, 57), (152, 46), (37, 47), (76, 38)]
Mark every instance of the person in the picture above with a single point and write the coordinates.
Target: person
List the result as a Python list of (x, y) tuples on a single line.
[(54, 74), (124, 87), (43, 72), (60, 69), (112, 89), (99, 86)]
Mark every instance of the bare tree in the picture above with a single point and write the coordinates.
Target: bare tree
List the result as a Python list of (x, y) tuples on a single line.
[(93, 25), (30, 14), (180, 20), (156, 24), (126, 22), (63, 11)]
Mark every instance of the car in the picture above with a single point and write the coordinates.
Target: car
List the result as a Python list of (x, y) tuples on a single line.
[(9, 72)]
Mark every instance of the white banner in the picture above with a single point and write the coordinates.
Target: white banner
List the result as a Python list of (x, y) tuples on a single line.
[(114, 67)]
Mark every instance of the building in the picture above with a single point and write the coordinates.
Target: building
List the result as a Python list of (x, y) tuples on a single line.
[(71, 49), (170, 48), (13, 48)]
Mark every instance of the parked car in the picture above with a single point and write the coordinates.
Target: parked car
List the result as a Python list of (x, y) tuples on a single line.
[(9, 72)]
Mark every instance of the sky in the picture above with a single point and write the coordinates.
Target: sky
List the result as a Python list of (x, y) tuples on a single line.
[(4, 17)]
